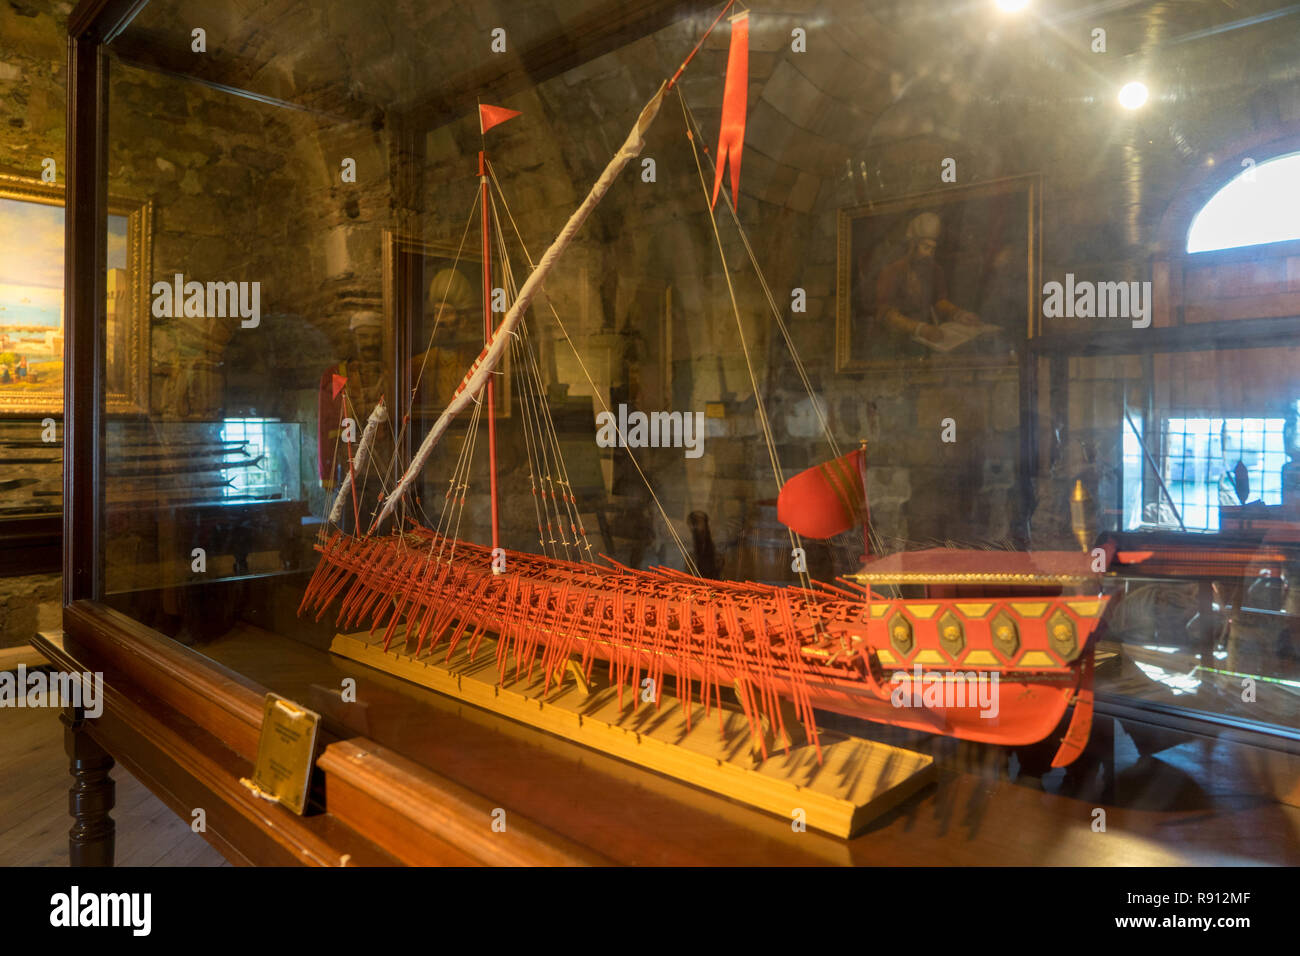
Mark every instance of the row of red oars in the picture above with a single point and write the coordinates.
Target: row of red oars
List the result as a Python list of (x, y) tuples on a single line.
[(749, 632)]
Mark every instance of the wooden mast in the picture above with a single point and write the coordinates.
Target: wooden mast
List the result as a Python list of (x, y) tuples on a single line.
[(866, 503), (487, 338)]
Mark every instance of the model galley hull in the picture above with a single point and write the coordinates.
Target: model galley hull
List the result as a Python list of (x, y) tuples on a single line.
[(1000, 670), (1018, 663)]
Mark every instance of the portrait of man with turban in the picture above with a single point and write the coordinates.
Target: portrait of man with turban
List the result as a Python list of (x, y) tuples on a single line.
[(912, 291), (938, 279)]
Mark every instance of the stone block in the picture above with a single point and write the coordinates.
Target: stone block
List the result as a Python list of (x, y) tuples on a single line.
[(33, 33), (788, 143), (803, 196), (796, 97), (1005, 407), (27, 604), (968, 407), (348, 251), (887, 485)]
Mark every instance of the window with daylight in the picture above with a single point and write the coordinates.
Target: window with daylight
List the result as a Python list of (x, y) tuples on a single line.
[(243, 482), (1258, 206), (1198, 461)]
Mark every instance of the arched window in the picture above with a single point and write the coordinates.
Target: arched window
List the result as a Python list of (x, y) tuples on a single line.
[(1260, 205)]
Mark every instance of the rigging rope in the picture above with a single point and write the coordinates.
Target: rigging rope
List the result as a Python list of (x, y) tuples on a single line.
[(543, 449), (595, 391), (800, 368), (497, 344), (398, 434), (768, 437)]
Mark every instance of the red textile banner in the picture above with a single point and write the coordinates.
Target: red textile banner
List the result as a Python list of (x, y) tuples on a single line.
[(489, 116), (731, 137), (825, 500)]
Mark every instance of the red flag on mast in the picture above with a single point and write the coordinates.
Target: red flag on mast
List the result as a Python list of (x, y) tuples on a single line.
[(731, 137), (489, 116)]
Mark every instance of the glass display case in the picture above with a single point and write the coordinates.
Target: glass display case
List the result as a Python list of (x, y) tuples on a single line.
[(231, 490), (486, 381), (1183, 444)]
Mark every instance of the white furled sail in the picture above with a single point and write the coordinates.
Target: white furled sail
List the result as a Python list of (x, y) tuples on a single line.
[(377, 418), (490, 357)]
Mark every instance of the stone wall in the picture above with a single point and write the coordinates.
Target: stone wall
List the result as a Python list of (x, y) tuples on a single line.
[(887, 97), (29, 603), (33, 48), (244, 190), (659, 235)]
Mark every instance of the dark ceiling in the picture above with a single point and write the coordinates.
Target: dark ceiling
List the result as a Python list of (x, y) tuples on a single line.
[(431, 61)]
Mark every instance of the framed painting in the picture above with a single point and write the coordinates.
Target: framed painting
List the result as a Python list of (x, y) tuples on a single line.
[(31, 300), (944, 279), (433, 307)]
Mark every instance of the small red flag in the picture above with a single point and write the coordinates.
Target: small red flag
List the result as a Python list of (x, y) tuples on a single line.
[(825, 500), (489, 116), (338, 381), (731, 137)]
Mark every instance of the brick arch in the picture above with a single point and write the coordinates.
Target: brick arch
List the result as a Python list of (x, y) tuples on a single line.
[(1198, 189), (1211, 286)]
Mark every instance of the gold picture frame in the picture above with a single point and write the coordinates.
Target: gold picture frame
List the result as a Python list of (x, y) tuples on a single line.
[(986, 258), (126, 375)]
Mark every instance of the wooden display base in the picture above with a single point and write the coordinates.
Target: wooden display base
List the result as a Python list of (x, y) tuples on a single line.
[(857, 781)]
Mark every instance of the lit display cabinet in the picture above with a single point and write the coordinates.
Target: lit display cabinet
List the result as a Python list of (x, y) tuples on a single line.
[(612, 499), (1181, 440)]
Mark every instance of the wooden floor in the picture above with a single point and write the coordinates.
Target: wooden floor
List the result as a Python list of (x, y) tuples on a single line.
[(34, 818)]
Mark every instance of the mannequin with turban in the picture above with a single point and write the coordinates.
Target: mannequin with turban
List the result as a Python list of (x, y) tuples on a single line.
[(351, 389)]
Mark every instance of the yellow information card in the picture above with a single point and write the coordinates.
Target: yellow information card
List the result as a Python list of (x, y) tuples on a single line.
[(285, 753)]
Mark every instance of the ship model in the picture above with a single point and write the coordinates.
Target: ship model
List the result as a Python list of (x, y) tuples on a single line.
[(1021, 624)]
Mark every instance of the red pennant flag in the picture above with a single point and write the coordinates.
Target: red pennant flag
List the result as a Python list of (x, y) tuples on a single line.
[(489, 116), (826, 500), (338, 381), (731, 137)]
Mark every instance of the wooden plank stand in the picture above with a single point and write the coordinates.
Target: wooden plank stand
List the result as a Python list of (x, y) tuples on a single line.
[(856, 781)]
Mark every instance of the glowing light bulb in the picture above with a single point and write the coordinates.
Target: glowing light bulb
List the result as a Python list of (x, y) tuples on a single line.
[(1132, 95)]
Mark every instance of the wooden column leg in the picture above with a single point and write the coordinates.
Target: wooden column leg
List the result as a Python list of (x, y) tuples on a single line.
[(92, 839)]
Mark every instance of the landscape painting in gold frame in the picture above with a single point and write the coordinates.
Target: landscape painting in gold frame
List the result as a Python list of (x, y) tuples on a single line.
[(31, 300)]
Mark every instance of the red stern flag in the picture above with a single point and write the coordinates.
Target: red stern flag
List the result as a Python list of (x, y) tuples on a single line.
[(489, 116), (337, 382), (731, 138), (826, 500)]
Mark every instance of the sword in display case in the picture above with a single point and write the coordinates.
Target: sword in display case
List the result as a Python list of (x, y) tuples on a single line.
[(190, 468)]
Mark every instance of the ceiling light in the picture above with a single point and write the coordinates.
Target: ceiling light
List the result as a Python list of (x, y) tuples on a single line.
[(1132, 95)]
